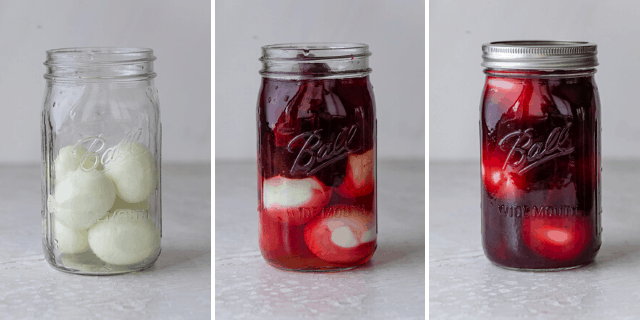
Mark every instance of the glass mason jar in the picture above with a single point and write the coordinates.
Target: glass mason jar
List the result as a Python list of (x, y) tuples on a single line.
[(101, 138), (540, 154), (316, 156)]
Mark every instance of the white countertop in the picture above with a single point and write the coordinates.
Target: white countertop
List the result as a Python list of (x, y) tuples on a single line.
[(463, 284), (391, 286), (178, 286)]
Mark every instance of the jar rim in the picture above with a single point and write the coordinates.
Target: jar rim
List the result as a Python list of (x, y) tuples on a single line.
[(315, 60), (98, 55), (316, 45), (312, 51)]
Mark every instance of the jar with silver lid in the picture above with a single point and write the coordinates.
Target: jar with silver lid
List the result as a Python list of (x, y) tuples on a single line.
[(540, 154)]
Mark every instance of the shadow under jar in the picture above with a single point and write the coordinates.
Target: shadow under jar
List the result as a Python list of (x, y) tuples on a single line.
[(540, 155), (316, 157), (101, 139)]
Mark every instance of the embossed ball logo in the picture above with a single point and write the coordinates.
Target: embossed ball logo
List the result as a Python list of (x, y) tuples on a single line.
[(96, 145), (316, 154), (525, 154)]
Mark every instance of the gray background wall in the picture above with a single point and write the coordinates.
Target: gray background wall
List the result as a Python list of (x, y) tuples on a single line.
[(394, 31), (178, 31), (459, 28)]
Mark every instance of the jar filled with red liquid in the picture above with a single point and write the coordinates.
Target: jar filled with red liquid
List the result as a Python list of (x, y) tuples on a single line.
[(316, 157), (540, 154)]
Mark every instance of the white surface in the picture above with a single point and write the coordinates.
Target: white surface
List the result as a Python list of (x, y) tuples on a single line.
[(463, 284), (394, 31), (459, 28), (178, 286), (391, 286), (179, 32)]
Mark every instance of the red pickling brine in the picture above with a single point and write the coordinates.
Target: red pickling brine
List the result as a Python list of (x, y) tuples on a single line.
[(540, 155), (316, 157)]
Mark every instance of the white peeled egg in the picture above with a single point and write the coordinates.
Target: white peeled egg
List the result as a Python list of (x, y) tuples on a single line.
[(283, 192), (132, 169), (82, 198), (70, 241), (294, 201), (119, 204), (124, 237), (343, 237), (69, 159)]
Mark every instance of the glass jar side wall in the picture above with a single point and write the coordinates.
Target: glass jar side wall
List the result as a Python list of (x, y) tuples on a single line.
[(316, 173), (101, 203), (540, 138)]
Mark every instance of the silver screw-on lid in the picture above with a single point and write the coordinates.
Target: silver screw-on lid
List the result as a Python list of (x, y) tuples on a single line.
[(539, 55)]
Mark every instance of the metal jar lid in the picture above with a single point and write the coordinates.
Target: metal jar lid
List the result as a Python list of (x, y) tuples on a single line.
[(539, 55)]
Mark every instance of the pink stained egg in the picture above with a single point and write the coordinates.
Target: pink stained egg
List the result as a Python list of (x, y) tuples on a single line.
[(359, 180), (345, 235), (294, 201)]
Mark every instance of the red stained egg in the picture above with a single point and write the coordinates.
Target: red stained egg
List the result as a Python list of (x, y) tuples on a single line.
[(504, 92), (346, 235), (294, 201), (359, 180), (556, 238), (498, 182)]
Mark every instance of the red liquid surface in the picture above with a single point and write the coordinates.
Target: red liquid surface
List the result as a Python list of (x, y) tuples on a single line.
[(316, 173), (540, 171)]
